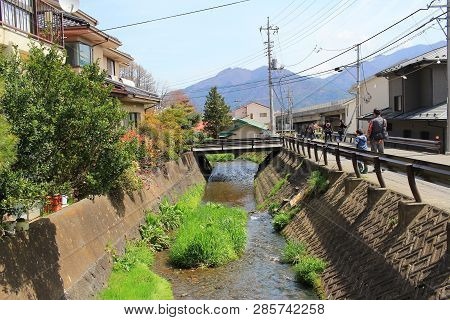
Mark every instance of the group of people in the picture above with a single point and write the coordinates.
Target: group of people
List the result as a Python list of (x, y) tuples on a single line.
[(376, 135), (314, 131)]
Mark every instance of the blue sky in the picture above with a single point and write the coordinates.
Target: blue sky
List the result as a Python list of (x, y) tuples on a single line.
[(182, 51)]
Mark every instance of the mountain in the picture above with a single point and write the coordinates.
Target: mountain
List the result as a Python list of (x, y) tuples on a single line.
[(312, 91)]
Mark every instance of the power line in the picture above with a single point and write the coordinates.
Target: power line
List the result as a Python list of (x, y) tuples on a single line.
[(176, 15)]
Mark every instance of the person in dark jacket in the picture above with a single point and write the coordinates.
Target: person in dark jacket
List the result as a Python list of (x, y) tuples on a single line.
[(377, 132), (328, 130), (341, 130)]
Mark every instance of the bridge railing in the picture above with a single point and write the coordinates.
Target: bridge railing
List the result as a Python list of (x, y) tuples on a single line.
[(428, 171), (252, 143)]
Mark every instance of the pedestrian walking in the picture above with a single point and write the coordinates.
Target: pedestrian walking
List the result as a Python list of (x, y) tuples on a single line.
[(341, 130), (328, 129), (361, 144), (310, 132), (377, 132)]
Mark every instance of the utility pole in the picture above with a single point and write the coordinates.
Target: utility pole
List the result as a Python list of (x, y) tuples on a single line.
[(269, 44), (358, 84), (290, 107)]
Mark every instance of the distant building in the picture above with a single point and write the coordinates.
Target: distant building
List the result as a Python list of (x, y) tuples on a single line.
[(374, 95), (253, 111), (333, 112), (245, 129), (417, 104)]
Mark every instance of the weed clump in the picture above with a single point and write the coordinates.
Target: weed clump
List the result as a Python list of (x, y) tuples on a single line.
[(210, 236), (132, 278), (280, 221), (293, 252), (317, 183), (308, 269)]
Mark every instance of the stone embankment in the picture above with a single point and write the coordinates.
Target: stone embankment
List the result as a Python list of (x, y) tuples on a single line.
[(378, 244), (68, 254)]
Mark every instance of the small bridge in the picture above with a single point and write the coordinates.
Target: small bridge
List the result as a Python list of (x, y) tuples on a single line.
[(238, 146)]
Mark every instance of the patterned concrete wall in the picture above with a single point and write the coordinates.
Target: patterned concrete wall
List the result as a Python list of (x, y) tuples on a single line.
[(65, 255), (377, 243)]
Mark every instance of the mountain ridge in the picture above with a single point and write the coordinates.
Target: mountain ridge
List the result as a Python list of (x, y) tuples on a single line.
[(313, 91)]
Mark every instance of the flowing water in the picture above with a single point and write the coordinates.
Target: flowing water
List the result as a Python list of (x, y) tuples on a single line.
[(258, 274)]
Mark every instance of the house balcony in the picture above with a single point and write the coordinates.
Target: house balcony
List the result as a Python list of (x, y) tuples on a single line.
[(32, 18)]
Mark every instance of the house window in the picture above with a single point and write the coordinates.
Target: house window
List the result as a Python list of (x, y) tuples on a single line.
[(17, 14), (263, 115), (398, 103), (111, 67), (407, 133), (133, 120), (424, 135), (78, 54), (251, 116)]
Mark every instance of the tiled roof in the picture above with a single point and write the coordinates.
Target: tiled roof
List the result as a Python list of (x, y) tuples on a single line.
[(439, 54), (72, 21), (132, 90), (429, 113)]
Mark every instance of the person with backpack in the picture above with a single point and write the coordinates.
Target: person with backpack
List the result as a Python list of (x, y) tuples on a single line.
[(377, 132), (361, 144), (328, 129)]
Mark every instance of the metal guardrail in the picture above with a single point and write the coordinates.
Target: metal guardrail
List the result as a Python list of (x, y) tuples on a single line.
[(432, 172), (252, 144)]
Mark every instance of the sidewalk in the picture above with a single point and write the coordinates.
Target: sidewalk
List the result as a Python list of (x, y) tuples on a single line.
[(432, 194), (424, 156)]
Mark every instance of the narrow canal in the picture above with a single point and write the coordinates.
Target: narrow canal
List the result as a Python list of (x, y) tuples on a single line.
[(258, 274)]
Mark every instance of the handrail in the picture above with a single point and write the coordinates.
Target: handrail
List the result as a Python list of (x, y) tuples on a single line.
[(253, 143), (429, 171)]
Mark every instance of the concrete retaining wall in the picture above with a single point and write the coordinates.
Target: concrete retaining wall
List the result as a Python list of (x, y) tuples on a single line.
[(65, 255), (377, 243)]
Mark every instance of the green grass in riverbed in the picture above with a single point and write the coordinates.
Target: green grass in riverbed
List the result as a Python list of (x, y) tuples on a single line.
[(132, 278), (210, 235)]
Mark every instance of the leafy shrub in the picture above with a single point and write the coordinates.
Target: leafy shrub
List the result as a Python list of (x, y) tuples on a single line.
[(210, 236), (293, 252), (8, 145), (153, 233), (317, 183), (68, 125), (308, 270), (169, 215), (280, 221)]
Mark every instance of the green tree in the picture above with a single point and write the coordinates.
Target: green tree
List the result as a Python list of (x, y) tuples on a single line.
[(68, 126), (8, 145), (217, 114)]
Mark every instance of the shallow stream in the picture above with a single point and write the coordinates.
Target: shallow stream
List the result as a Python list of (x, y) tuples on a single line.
[(258, 274)]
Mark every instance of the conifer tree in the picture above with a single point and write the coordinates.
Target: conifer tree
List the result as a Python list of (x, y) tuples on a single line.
[(217, 115)]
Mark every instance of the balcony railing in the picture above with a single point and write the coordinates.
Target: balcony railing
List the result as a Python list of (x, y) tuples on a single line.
[(33, 17)]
